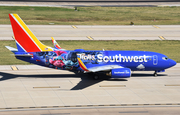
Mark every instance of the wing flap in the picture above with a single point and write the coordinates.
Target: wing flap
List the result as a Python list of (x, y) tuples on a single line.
[(97, 68), (104, 68), (24, 55)]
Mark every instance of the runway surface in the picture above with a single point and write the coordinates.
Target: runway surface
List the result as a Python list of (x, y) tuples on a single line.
[(34, 87), (81, 32)]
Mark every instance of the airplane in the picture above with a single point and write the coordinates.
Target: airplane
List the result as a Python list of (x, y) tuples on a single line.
[(117, 64)]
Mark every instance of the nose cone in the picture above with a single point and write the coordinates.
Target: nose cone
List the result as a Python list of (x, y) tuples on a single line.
[(172, 63)]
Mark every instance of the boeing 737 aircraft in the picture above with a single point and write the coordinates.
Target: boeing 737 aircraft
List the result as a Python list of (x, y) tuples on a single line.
[(118, 64)]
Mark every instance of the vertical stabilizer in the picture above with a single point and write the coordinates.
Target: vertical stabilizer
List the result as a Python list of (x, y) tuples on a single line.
[(26, 41)]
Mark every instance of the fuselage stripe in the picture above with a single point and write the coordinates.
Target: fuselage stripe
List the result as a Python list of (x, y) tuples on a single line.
[(82, 65), (30, 38), (22, 36)]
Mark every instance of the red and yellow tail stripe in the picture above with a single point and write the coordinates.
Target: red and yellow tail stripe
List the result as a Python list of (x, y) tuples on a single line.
[(24, 37), (81, 64)]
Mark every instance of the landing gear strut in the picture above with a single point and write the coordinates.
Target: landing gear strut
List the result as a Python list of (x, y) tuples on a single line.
[(155, 74)]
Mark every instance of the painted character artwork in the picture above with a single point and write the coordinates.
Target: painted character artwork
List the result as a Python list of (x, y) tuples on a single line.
[(57, 61), (118, 64), (61, 62), (68, 60)]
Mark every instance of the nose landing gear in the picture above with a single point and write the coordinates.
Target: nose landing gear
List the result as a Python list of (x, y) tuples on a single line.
[(155, 74)]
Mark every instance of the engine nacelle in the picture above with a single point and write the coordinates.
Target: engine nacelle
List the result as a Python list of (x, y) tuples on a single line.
[(121, 73)]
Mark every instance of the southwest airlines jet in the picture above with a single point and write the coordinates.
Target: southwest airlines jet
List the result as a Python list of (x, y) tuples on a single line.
[(118, 64)]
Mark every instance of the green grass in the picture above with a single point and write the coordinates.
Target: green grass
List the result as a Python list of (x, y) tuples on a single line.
[(169, 48), (94, 15)]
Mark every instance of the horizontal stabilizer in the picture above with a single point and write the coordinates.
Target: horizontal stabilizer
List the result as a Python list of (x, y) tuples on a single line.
[(24, 55), (11, 49)]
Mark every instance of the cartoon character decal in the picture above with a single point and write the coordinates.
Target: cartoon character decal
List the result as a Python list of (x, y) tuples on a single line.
[(67, 60)]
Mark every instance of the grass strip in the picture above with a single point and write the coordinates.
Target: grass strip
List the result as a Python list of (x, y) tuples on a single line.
[(169, 48), (93, 15)]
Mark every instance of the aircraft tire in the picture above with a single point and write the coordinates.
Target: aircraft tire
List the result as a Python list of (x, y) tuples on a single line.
[(155, 74)]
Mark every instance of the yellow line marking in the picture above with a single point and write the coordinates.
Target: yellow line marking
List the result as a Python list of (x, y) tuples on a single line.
[(20, 5), (161, 37), (13, 37), (74, 27), (14, 68), (173, 85), (156, 26), (89, 37), (48, 87), (112, 86)]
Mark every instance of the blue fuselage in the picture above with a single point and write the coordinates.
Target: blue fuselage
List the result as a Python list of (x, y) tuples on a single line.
[(135, 60)]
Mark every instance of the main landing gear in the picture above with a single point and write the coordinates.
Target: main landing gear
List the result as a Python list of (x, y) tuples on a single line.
[(155, 74)]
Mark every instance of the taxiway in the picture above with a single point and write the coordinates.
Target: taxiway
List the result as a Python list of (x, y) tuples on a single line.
[(89, 32), (31, 86)]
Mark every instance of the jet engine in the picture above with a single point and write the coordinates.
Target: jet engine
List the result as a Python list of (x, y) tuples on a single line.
[(121, 73)]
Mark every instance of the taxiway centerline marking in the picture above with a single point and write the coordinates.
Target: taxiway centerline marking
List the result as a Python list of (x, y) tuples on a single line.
[(172, 85), (74, 27), (48, 87), (156, 27), (112, 85), (161, 37), (90, 38), (14, 68)]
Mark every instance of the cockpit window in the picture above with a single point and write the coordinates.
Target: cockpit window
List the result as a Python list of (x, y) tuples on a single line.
[(165, 58)]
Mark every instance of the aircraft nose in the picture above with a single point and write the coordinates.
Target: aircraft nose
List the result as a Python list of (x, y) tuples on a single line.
[(172, 63)]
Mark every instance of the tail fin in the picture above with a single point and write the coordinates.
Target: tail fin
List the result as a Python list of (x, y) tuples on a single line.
[(26, 41), (56, 45)]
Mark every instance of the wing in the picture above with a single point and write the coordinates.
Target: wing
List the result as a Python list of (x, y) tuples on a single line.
[(104, 68), (97, 68)]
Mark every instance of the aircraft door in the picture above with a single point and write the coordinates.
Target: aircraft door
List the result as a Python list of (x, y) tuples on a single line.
[(155, 59)]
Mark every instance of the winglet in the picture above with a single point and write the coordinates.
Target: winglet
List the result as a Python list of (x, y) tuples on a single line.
[(56, 45), (82, 65), (25, 39)]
